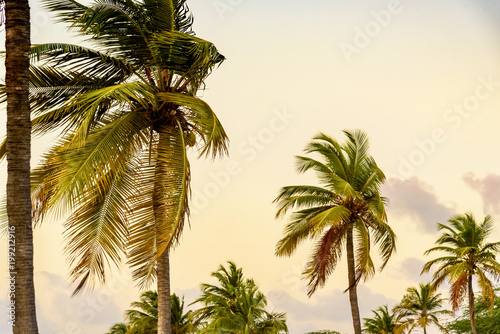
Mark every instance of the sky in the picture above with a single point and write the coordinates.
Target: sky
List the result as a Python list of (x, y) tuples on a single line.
[(421, 77)]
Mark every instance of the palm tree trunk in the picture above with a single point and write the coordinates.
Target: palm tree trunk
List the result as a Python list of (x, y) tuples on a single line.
[(472, 311), (22, 312), (163, 262), (164, 311), (353, 294)]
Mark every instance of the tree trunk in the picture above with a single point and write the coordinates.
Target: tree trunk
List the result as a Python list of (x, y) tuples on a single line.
[(472, 311), (353, 295), (22, 312), (163, 262), (164, 310)]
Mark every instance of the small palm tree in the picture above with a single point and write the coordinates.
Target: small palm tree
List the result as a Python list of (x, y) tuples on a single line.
[(420, 308), (119, 328), (346, 211), (144, 318), (467, 256), (383, 322), (237, 306)]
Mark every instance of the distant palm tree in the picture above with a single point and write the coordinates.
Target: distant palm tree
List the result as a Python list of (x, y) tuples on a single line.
[(382, 322), (119, 328), (237, 306), (128, 112), (347, 210), (182, 322), (420, 308), (18, 150), (467, 256), (144, 318)]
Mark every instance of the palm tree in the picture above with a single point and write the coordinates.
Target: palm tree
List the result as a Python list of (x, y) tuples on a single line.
[(347, 210), (18, 150), (237, 306), (119, 328), (420, 308), (128, 111), (144, 318), (182, 322), (467, 256), (383, 322)]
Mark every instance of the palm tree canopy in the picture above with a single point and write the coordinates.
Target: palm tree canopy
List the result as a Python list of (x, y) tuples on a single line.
[(237, 306), (119, 328), (383, 322), (348, 198), (128, 111), (420, 308), (467, 254)]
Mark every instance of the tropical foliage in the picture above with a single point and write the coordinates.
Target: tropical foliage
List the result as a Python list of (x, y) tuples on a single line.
[(236, 305), (468, 255), (119, 328), (382, 322), (345, 211), (420, 308), (143, 319), (127, 110), (486, 321)]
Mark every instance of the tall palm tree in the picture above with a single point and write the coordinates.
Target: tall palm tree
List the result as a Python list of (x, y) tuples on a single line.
[(18, 150), (236, 306), (128, 111), (346, 210), (420, 308), (467, 256), (383, 322)]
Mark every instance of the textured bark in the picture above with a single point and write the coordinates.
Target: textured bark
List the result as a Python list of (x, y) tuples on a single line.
[(472, 311), (353, 294), (163, 282), (163, 263), (17, 45)]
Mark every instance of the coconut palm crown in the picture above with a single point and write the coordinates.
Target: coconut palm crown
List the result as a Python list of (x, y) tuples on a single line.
[(421, 308), (345, 211), (128, 111)]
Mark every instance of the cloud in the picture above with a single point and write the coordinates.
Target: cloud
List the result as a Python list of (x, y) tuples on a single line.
[(411, 268), (415, 199), (58, 312), (488, 188)]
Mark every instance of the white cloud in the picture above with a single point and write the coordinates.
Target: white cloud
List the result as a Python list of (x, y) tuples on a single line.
[(415, 199)]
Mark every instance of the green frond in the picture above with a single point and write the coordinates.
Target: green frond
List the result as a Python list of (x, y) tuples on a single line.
[(302, 196), (141, 243), (203, 121), (363, 260), (298, 229), (330, 217), (161, 14), (97, 230), (172, 179), (81, 167)]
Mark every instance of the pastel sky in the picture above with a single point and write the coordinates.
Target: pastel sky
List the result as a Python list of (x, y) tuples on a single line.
[(421, 77)]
